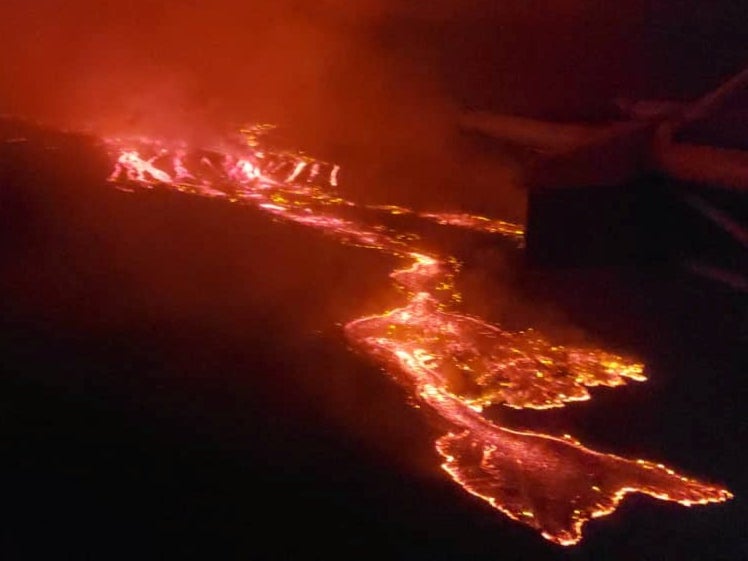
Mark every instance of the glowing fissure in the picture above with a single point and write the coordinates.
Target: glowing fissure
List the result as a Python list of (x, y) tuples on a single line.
[(456, 364)]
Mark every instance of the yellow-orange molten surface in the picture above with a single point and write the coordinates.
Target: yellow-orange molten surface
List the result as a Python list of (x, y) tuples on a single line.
[(455, 364)]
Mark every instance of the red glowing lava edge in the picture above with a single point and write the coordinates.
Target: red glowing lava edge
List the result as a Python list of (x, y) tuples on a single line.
[(453, 363)]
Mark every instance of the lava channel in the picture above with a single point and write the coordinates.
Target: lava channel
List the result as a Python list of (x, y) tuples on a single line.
[(454, 364)]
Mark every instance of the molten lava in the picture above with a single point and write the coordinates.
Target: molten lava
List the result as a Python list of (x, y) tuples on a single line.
[(455, 364)]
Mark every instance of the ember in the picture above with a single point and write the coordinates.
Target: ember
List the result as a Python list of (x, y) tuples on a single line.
[(454, 363)]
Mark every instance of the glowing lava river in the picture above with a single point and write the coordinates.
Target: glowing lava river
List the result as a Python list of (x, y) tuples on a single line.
[(452, 363)]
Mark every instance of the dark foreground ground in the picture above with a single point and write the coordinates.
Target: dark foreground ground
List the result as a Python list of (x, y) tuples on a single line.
[(175, 385)]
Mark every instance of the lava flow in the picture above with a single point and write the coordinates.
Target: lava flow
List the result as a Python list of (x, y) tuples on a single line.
[(455, 364)]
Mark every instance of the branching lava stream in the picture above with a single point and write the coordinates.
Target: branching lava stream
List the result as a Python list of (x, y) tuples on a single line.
[(453, 363)]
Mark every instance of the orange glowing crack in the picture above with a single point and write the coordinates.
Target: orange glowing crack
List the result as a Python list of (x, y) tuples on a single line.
[(455, 364), (479, 223)]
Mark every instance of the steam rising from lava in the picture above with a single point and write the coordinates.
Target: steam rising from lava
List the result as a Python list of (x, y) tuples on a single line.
[(455, 364)]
